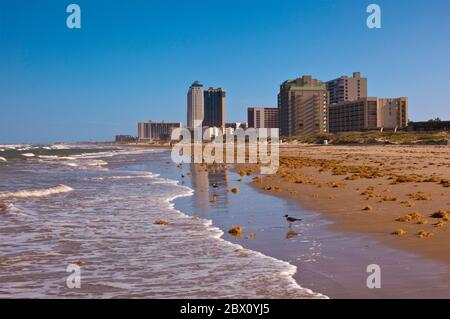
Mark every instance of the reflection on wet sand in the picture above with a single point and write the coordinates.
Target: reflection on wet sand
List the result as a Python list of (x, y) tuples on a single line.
[(211, 187)]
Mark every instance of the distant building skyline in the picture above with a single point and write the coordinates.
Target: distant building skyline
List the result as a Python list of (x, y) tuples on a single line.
[(304, 108)]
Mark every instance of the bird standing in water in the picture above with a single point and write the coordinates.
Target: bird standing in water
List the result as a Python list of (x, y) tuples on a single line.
[(291, 219)]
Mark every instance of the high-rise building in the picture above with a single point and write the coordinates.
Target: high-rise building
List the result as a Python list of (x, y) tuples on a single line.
[(262, 117), (214, 111), (369, 113), (156, 130), (303, 107), (195, 105), (347, 88)]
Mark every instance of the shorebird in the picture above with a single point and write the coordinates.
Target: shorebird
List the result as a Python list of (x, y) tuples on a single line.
[(214, 185), (292, 219)]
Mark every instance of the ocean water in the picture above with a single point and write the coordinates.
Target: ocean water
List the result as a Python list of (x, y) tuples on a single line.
[(96, 207)]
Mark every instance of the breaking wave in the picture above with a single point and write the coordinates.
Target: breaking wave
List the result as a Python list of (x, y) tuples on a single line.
[(36, 193)]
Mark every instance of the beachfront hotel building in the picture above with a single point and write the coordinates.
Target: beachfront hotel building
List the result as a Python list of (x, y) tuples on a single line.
[(262, 117), (156, 131), (347, 88), (195, 105), (369, 113), (214, 108), (303, 107)]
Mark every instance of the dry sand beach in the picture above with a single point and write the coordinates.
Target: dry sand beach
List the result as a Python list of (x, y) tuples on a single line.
[(398, 194)]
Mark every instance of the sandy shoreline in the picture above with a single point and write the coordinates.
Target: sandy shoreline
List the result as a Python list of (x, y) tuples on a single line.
[(369, 189)]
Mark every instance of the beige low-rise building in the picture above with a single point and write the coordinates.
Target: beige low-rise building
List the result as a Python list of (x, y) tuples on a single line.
[(370, 113), (156, 131)]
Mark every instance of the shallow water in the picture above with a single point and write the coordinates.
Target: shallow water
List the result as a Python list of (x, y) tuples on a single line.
[(96, 207)]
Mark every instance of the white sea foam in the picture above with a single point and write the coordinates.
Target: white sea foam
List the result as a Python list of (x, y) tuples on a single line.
[(36, 193), (119, 177), (71, 164), (13, 146), (55, 157), (97, 163), (28, 155), (60, 147)]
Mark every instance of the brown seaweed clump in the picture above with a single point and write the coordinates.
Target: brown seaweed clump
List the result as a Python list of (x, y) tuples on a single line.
[(407, 203), (235, 190), (445, 183), (410, 217), (419, 196), (161, 222), (404, 219), (440, 223), (235, 231), (440, 214), (425, 234), (399, 232)]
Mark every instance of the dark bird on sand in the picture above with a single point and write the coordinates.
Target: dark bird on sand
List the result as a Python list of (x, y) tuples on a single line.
[(292, 219)]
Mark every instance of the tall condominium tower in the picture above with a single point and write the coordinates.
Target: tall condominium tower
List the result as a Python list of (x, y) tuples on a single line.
[(214, 108), (303, 107), (195, 105), (347, 88)]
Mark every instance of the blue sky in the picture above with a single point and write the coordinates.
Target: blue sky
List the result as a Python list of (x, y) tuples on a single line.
[(134, 60)]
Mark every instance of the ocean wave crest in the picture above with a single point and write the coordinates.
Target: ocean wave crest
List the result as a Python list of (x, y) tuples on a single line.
[(36, 193), (118, 177)]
